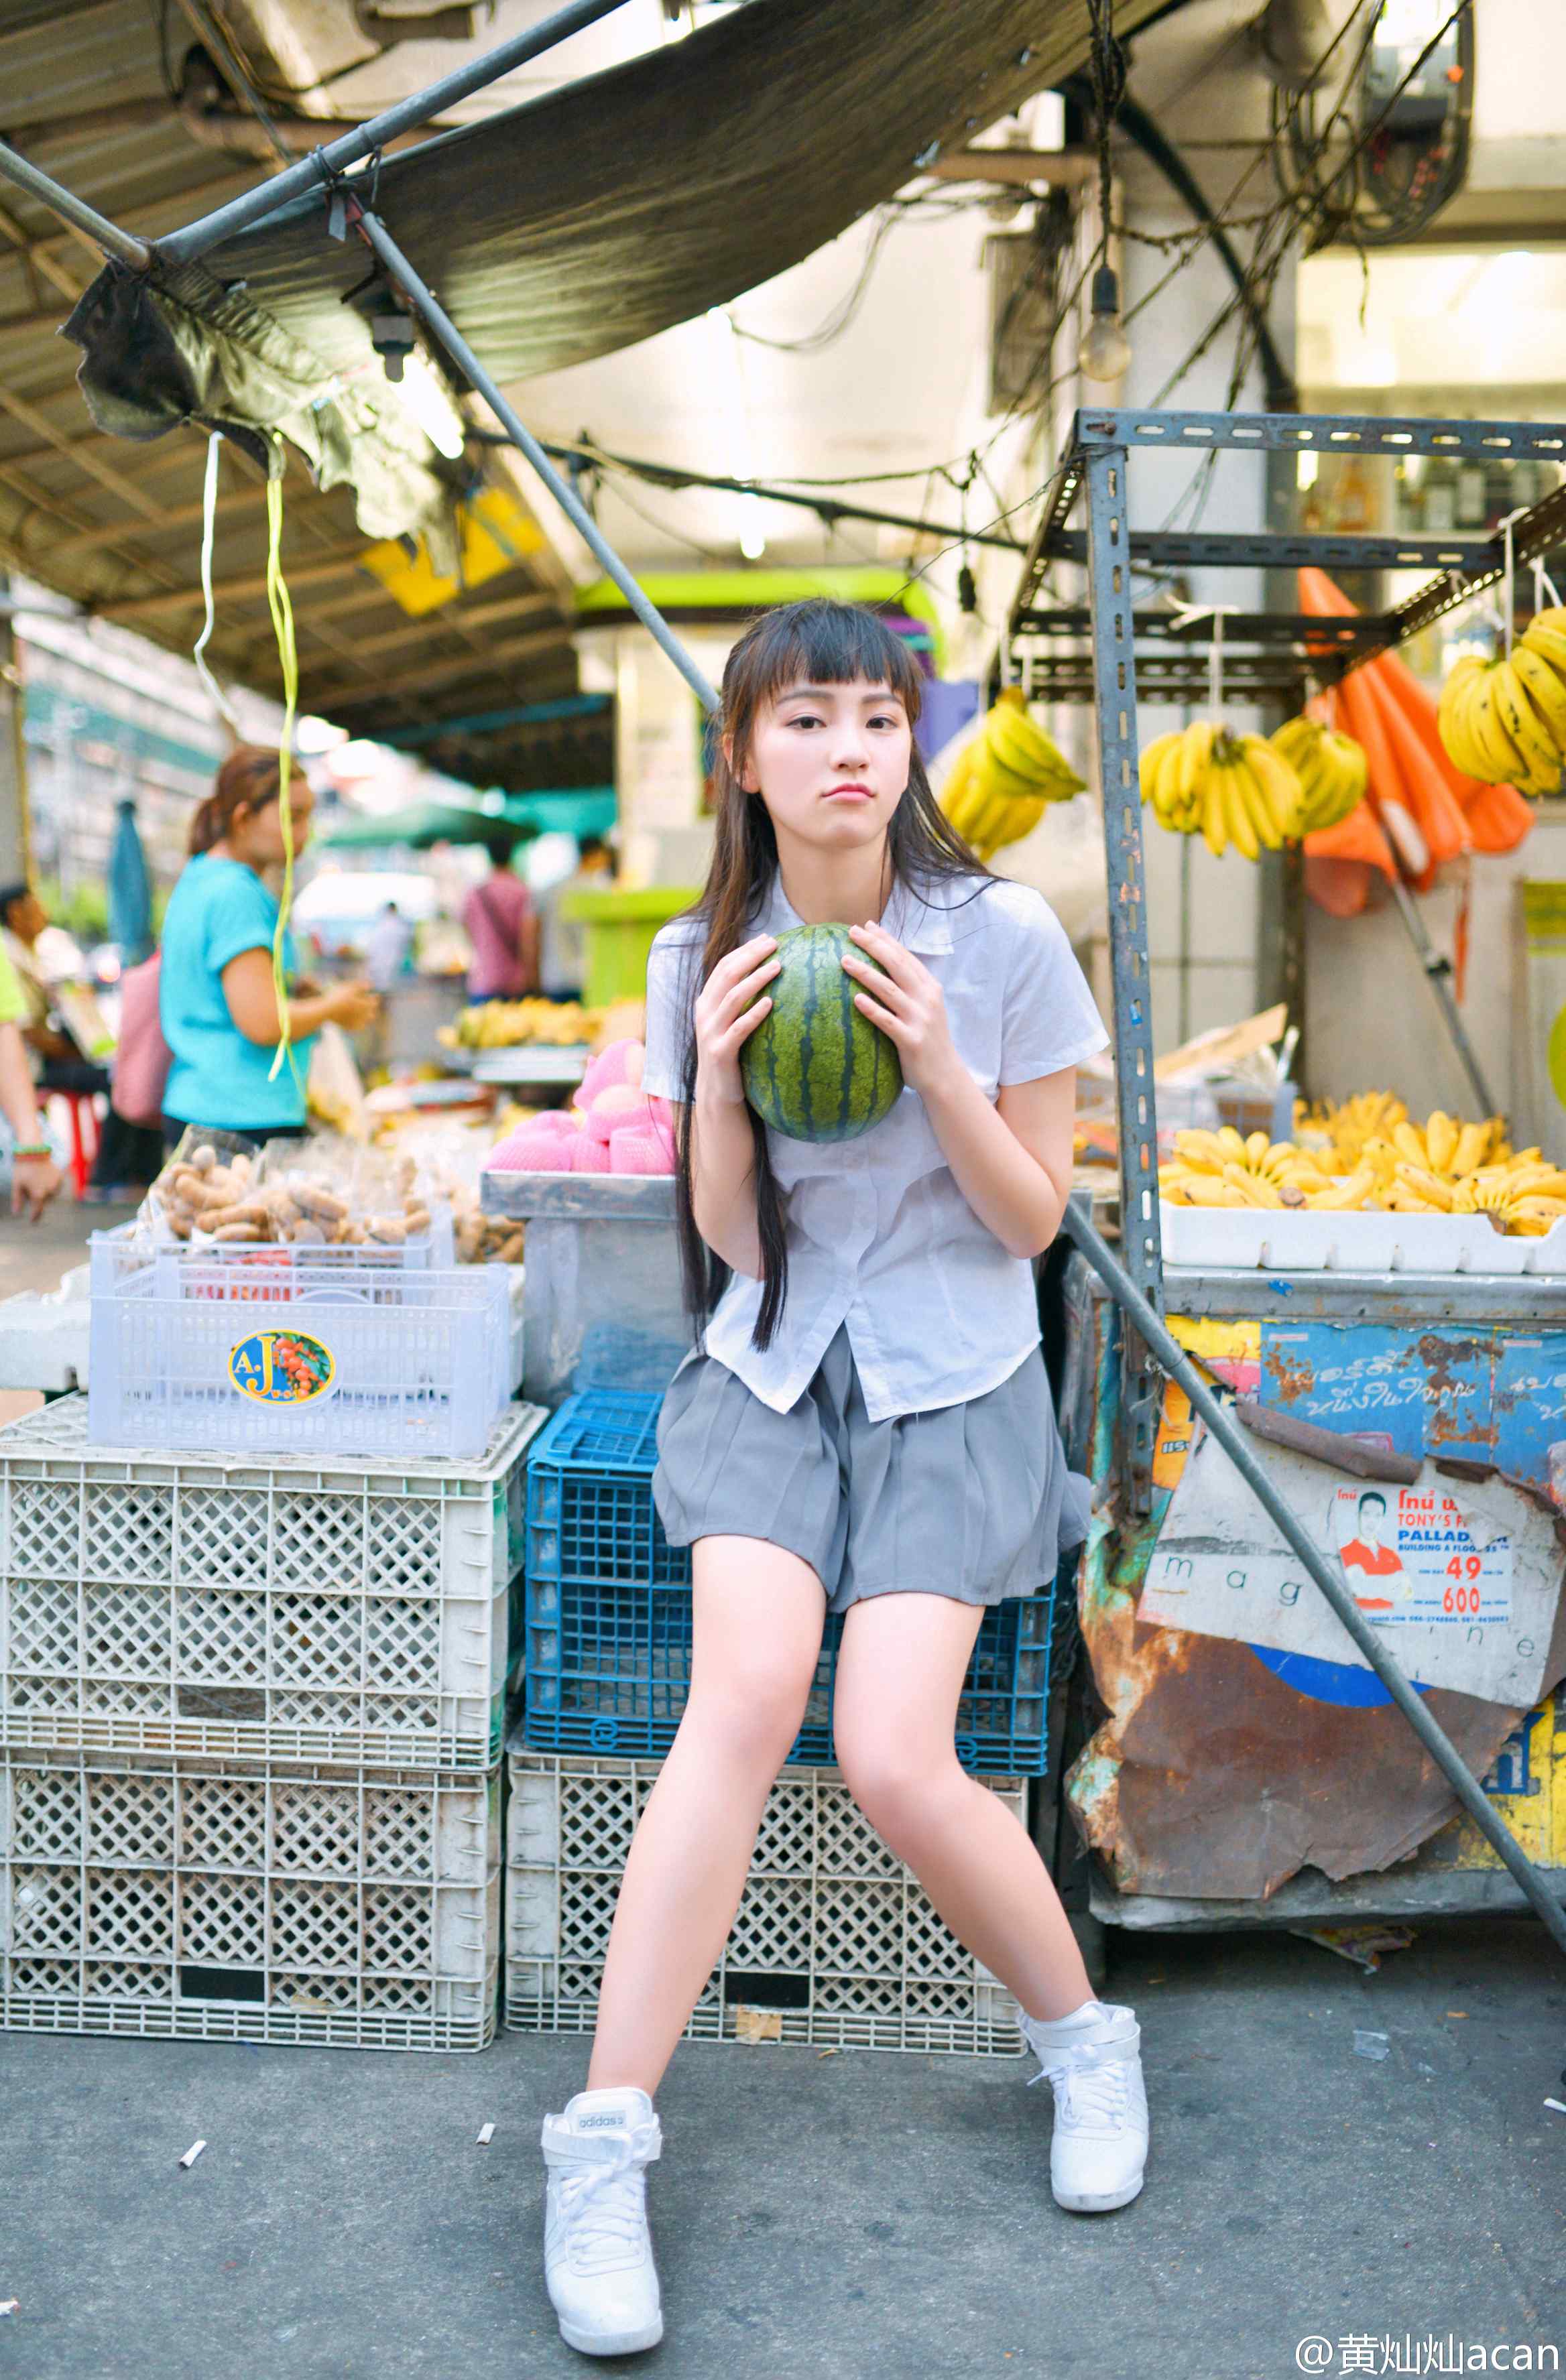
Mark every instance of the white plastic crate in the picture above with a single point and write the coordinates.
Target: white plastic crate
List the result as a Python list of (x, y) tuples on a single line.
[(834, 1937), (353, 1612), (267, 1902), (1312, 1239), (306, 1352)]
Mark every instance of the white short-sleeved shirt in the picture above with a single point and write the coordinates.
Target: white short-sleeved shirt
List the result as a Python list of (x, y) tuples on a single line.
[(880, 1236)]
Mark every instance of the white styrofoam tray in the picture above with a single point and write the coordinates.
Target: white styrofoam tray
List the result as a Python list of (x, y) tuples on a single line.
[(1310, 1239)]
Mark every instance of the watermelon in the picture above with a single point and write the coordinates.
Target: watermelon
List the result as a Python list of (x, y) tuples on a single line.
[(816, 1068)]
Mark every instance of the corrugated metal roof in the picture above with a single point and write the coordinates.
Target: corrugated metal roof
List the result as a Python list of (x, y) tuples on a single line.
[(116, 525)]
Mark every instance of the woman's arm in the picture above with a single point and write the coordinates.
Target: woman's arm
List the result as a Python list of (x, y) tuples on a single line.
[(251, 996), (728, 1009), (1011, 1161), (722, 1182), (34, 1178)]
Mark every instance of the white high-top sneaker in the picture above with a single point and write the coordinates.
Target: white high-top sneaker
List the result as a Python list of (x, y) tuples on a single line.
[(1092, 2059), (598, 2254)]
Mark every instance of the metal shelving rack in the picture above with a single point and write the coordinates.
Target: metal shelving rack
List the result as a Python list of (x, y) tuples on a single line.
[(1267, 657)]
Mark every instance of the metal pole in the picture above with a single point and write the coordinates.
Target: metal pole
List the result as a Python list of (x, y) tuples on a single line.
[(1438, 974), (362, 139), (1114, 680), (435, 318), (109, 236), (1233, 1441)]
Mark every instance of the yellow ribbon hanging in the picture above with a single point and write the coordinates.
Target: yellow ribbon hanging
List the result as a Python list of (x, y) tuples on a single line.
[(282, 613)]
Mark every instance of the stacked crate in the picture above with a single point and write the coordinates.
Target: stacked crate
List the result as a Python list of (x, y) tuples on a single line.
[(833, 1941), (250, 1725)]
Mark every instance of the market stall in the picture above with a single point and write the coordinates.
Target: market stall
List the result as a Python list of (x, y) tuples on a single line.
[(1253, 1717)]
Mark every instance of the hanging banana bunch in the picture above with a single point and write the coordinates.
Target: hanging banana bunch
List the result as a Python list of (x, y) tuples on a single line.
[(1234, 791), (1331, 768), (1002, 779), (1504, 720)]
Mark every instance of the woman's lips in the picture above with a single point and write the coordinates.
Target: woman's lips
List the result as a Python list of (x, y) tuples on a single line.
[(850, 794)]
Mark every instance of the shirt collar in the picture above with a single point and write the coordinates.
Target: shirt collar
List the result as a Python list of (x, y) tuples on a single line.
[(917, 924)]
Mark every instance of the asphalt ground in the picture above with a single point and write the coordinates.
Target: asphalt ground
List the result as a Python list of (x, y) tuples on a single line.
[(835, 2216)]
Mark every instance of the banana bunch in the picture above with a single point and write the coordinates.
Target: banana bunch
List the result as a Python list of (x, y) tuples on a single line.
[(1331, 768), (1227, 1169), (1231, 790), (1002, 779), (1446, 1167), (1339, 1133), (513, 1024), (1504, 720)]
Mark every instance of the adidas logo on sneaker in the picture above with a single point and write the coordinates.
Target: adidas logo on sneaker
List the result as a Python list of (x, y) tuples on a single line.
[(602, 2123)]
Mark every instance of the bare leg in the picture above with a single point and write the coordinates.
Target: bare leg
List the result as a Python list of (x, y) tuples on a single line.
[(899, 1675), (758, 1615)]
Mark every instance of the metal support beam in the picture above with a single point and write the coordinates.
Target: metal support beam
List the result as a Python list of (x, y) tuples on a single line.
[(350, 148), (1136, 1310), (435, 318), (1109, 564), (74, 211), (1438, 974)]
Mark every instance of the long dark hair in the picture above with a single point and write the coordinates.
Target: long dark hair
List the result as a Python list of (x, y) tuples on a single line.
[(819, 643)]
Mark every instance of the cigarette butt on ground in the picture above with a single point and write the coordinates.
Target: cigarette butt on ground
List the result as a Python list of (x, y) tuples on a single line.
[(486, 2134), (1558, 2105), (193, 2152)]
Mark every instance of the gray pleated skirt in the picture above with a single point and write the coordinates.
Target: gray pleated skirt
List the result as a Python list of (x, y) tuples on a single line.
[(971, 1501)]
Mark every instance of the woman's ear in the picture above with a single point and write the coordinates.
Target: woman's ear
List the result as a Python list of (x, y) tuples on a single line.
[(745, 777)]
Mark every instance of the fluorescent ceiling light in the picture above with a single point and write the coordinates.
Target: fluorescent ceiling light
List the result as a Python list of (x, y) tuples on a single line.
[(729, 376), (424, 395)]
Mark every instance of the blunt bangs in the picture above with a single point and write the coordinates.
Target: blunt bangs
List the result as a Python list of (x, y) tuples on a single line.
[(818, 642)]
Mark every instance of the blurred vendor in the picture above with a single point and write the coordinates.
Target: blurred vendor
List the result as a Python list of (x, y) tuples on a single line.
[(35, 1177), (218, 1001), (127, 1158), (388, 948), (60, 1064), (501, 926), (564, 941)]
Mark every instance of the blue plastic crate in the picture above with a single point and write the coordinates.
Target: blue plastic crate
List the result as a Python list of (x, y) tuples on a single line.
[(608, 1612)]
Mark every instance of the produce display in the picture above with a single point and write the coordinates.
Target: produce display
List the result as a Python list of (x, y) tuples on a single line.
[(816, 1068), (1375, 1160), (611, 1126), (1234, 791), (1001, 780), (538, 1024), (232, 1197), (1503, 719)]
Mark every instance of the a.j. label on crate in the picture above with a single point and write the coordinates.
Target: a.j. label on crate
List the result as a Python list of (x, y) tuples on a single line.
[(283, 1367), (1465, 1575)]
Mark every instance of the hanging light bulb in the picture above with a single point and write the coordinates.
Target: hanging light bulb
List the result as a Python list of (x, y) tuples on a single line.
[(1105, 352)]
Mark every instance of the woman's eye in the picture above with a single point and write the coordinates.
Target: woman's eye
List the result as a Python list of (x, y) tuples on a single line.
[(805, 719)]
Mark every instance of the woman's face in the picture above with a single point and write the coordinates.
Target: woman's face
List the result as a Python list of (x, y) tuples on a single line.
[(831, 762), (257, 835)]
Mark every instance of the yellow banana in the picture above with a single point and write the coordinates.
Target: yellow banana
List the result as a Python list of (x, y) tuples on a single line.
[(1440, 1140), (1546, 690), (1469, 1153)]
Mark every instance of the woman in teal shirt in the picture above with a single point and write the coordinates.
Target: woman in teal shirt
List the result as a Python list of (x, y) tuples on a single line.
[(216, 997)]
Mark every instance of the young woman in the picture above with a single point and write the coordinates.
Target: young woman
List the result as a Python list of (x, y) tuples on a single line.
[(864, 1426), (216, 997)]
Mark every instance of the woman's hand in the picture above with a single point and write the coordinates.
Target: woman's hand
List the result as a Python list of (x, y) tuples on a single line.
[(353, 1006), (34, 1181), (725, 1019), (909, 1006)]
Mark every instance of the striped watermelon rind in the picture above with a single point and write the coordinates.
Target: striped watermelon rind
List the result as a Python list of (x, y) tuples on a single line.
[(816, 1068)]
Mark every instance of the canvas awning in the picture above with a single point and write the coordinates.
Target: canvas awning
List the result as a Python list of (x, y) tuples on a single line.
[(569, 227)]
